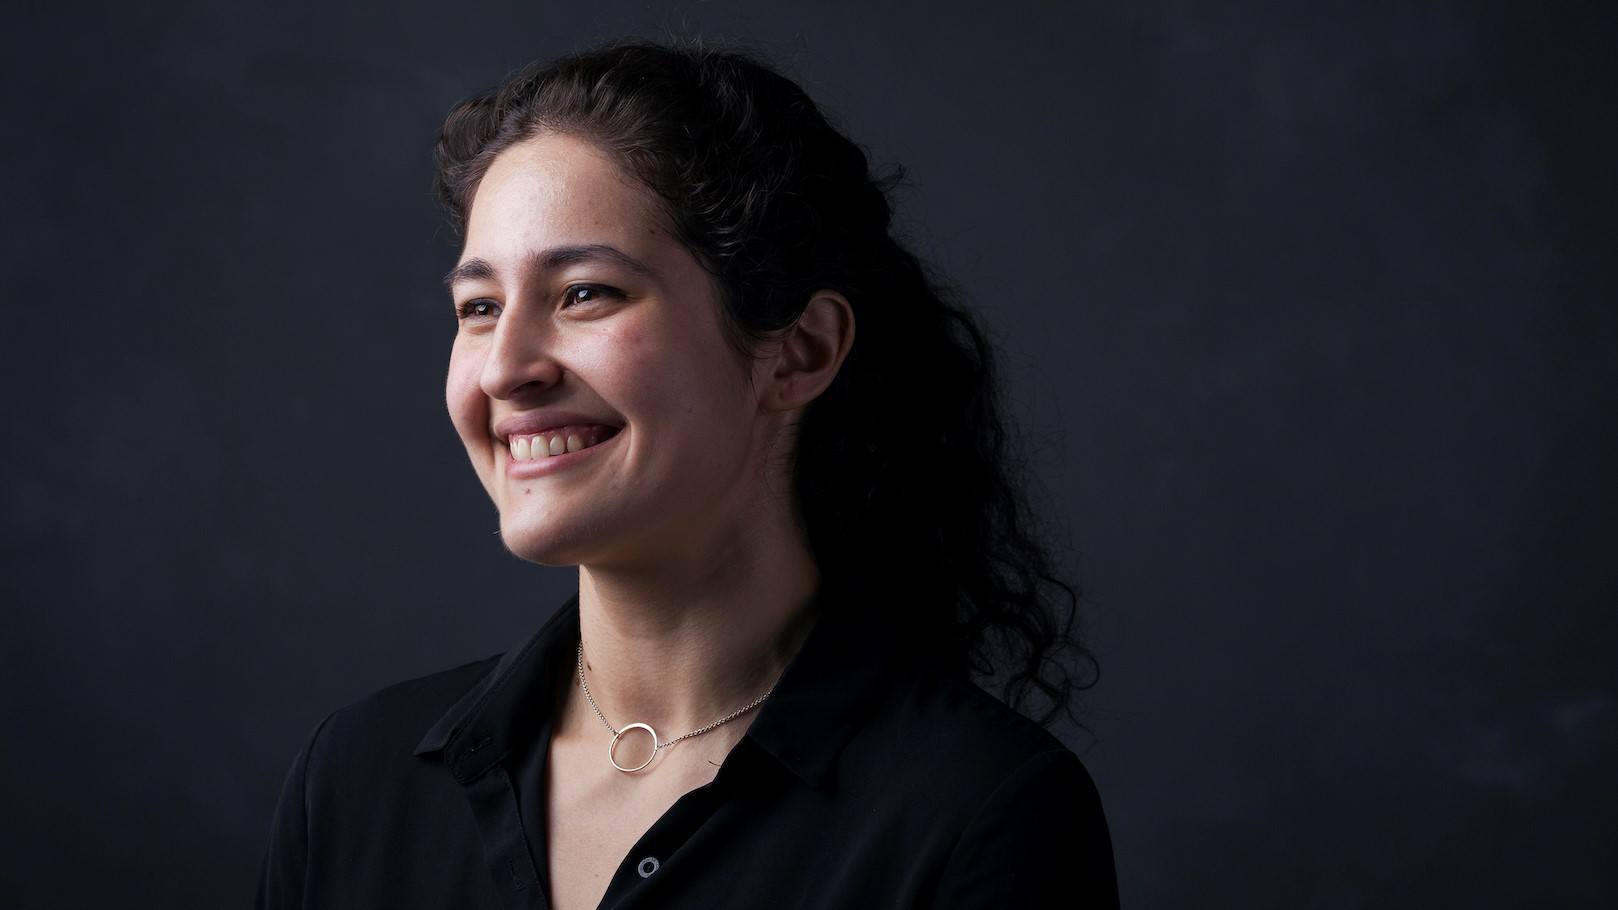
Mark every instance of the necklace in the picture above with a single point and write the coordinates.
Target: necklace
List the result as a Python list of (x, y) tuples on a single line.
[(612, 749)]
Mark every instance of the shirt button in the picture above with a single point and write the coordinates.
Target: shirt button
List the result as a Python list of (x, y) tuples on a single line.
[(647, 867)]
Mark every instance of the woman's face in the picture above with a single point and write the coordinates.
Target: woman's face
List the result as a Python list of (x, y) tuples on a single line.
[(578, 309)]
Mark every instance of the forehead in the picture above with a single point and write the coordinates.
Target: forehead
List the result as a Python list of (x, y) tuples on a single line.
[(557, 189)]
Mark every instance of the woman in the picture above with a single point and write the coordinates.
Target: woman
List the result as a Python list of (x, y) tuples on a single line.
[(692, 361)]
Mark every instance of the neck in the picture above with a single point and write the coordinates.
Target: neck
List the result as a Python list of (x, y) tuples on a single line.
[(679, 647)]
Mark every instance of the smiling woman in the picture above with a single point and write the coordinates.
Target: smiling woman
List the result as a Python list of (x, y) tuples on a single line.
[(630, 342), (692, 361)]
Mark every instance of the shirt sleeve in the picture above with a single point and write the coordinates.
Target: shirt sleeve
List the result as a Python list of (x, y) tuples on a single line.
[(285, 863), (1039, 840)]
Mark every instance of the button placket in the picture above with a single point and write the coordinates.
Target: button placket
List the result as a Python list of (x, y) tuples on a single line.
[(505, 844)]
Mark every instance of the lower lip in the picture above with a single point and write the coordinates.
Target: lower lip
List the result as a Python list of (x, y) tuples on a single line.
[(550, 464)]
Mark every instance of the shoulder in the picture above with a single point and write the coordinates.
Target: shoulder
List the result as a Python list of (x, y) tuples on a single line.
[(1026, 822), (356, 771), (965, 736)]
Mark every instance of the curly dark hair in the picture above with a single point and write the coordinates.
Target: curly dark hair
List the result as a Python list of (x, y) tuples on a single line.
[(906, 473)]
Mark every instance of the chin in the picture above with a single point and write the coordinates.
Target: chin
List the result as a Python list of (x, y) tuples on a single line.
[(543, 540)]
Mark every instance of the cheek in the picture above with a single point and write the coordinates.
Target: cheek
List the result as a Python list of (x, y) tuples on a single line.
[(462, 394), (655, 371), (690, 383)]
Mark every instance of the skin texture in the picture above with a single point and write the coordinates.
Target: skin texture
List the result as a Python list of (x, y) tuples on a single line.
[(693, 566)]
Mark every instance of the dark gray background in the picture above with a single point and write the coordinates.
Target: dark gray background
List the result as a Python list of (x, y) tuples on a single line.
[(1309, 311)]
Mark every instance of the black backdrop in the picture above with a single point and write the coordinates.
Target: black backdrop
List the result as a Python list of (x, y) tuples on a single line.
[(1310, 316)]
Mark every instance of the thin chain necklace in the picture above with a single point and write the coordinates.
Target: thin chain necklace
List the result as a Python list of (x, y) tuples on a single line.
[(612, 749)]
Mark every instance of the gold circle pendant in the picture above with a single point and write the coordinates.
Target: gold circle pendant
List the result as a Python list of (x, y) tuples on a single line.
[(612, 749)]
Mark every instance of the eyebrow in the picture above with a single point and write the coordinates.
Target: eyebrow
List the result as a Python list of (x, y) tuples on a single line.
[(476, 269)]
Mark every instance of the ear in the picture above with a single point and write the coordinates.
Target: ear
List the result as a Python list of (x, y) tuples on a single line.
[(811, 353)]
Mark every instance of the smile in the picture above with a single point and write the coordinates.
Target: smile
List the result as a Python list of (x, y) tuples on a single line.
[(536, 454)]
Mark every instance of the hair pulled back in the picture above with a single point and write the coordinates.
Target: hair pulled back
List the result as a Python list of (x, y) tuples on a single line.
[(905, 473)]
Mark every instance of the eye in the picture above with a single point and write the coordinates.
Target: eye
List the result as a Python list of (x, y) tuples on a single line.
[(586, 293), (476, 307)]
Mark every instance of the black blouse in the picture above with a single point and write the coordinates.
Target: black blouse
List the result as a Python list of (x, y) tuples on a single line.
[(863, 781)]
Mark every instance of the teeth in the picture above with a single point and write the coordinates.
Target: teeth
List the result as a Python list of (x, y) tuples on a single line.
[(544, 445)]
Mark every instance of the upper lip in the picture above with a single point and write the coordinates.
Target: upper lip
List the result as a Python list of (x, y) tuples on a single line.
[(538, 421)]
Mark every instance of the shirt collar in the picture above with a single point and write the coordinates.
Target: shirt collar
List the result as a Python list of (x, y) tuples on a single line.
[(818, 703)]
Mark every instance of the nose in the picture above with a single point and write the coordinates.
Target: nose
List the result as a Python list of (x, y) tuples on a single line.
[(521, 357)]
